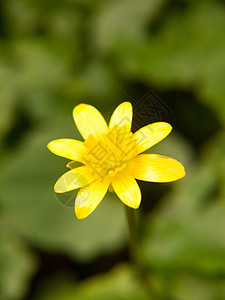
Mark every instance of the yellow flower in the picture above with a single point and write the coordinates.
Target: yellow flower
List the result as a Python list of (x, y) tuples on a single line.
[(110, 157)]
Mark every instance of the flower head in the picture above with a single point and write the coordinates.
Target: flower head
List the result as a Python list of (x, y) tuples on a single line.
[(111, 157)]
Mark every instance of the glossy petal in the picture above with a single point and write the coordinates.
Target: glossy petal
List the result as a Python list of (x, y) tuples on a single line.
[(122, 117), (150, 135), (127, 189), (90, 196), (89, 121), (155, 168), (68, 148), (74, 179)]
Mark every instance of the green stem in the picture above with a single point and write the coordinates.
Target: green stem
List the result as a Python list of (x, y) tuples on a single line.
[(132, 235), (141, 272)]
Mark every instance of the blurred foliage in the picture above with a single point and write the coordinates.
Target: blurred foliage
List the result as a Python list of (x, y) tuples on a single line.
[(56, 54), (186, 235), (17, 263), (118, 284)]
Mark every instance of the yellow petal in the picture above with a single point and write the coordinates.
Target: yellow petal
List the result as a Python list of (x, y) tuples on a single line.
[(155, 168), (151, 134), (127, 189), (90, 196), (74, 179), (89, 121), (68, 148), (122, 117)]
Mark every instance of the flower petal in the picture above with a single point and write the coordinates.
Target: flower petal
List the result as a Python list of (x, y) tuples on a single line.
[(89, 121), (89, 197), (74, 179), (150, 135), (127, 189), (68, 148), (122, 116), (155, 168)]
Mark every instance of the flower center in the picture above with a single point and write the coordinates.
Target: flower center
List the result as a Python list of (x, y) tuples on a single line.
[(108, 154)]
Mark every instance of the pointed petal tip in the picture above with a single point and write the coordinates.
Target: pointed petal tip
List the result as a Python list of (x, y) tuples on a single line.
[(89, 197), (127, 189), (89, 120), (57, 189), (151, 134), (122, 116), (183, 171), (170, 127), (49, 146), (79, 107), (128, 103), (134, 205), (166, 126), (82, 212), (156, 168), (67, 148)]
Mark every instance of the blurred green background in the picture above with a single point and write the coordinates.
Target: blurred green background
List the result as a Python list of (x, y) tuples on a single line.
[(57, 54)]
